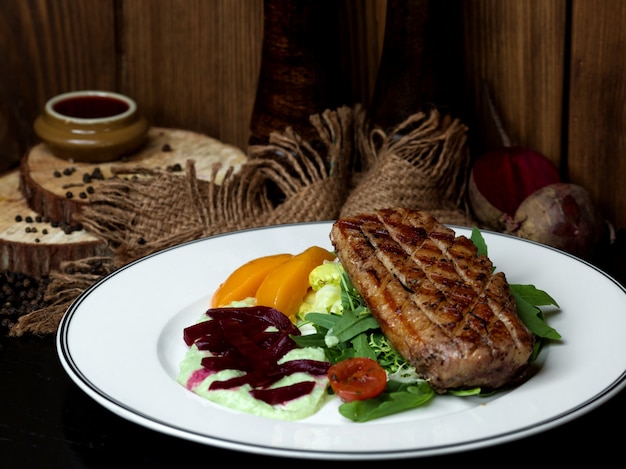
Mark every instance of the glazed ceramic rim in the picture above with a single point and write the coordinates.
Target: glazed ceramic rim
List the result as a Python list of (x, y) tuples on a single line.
[(52, 102)]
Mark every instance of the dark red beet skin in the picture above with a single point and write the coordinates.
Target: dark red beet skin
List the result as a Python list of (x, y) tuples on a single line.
[(283, 394), (561, 215), (506, 176)]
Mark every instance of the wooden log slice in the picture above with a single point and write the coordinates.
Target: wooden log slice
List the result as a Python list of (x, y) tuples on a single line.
[(58, 189), (35, 245)]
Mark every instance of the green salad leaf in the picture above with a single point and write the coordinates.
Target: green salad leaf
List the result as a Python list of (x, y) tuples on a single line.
[(398, 397), (479, 242)]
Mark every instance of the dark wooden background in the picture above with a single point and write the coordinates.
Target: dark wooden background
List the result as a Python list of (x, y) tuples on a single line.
[(556, 68)]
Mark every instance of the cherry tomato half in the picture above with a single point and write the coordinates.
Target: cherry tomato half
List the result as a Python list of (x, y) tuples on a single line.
[(357, 379)]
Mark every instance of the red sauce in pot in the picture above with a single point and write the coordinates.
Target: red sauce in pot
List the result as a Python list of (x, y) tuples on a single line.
[(91, 107)]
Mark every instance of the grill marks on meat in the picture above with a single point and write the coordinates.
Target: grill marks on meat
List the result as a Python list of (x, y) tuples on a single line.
[(436, 300)]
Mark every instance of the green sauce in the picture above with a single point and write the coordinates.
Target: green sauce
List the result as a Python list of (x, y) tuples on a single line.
[(194, 377)]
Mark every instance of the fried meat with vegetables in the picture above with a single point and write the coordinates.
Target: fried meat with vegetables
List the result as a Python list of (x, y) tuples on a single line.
[(437, 299)]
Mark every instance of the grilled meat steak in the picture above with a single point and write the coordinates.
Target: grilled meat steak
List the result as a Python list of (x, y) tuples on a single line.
[(435, 298)]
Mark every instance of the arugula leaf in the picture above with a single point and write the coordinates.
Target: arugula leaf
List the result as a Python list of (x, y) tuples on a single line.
[(324, 320), (478, 240), (530, 314), (532, 295), (362, 348), (398, 397), (350, 298), (350, 325), (310, 340)]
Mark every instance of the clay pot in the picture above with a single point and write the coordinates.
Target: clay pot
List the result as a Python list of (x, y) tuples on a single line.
[(91, 126)]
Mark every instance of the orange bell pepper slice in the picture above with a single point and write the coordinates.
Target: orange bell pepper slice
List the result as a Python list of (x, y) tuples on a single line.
[(245, 280), (285, 287)]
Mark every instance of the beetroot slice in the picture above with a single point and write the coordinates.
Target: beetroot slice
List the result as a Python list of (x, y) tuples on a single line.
[(280, 346), (283, 394), (252, 340), (266, 314), (312, 367), (256, 379), (224, 363), (199, 330), (258, 357), (506, 176), (267, 377)]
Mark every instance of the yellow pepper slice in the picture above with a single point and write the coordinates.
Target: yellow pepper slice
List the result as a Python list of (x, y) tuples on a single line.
[(285, 286), (245, 280)]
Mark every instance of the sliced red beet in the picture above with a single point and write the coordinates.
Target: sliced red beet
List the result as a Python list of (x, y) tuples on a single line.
[(502, 179), (283, 394), (506, 176), (313, 367), (256, 379), (252, 340), (214, 344), (259, 357), (201, 329), (225, 363), (264, 378), (256, 313), (281, 345)]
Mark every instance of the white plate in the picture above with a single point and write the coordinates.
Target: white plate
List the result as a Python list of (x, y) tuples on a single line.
[(121, 343)]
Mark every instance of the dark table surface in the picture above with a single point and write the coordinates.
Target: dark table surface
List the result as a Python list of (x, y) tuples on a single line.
[(47, 421)]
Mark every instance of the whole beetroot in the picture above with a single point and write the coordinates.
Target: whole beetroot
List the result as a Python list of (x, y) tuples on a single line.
[(561, 215), (503, 178)]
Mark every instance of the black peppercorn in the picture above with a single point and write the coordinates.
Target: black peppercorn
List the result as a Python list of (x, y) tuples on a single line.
[(20, 294), (97, 174)]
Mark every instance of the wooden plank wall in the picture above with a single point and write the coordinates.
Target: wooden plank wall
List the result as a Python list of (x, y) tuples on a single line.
[(596, 121), (556, 68), (518, 48)]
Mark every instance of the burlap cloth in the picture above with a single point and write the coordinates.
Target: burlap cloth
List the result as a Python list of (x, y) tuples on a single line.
[(351, 167)]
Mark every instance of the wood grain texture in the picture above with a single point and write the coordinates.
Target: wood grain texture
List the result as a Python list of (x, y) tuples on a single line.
[(518, 48), (189, 64), (597, 104), (362, 33), (300, 72), (421, 62), (59, 189), (35, 245), (556, 69), (48, 47), (193, 64)]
